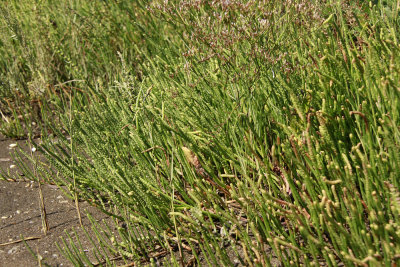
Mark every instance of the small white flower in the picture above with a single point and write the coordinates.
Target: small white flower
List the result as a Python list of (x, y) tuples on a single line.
[(262, 22), (12, 166), (33, 149), (12, 145)]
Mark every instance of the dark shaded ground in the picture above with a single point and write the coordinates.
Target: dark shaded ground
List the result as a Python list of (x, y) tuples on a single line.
[(20, 215)]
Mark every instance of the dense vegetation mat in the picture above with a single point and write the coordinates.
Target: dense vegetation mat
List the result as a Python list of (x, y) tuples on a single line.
[(218, 132)]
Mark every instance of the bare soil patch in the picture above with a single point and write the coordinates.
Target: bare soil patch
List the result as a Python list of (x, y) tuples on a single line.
[(20, 215)]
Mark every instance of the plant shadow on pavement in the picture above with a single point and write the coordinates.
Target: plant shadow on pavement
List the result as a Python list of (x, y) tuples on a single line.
[(21, 217)]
